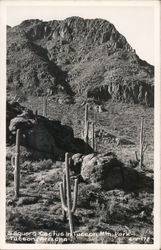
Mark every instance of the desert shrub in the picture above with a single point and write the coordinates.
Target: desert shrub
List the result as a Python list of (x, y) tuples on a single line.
[(87, 195), (42, 165), (27, 200), (54, 177), (27, 166), (20, 221), (58, 164), (66, 121), (25, 155)]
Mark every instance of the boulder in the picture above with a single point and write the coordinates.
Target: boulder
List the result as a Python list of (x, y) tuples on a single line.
[(95, 167), (76, 163), (48, 137), (20, 123), (106, 171)]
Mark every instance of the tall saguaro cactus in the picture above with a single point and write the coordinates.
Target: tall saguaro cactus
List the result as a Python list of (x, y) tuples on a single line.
[(86, 113), (64, 188), (143, 145), (141, 142), (16, 166), (45, 106), (67, 206)]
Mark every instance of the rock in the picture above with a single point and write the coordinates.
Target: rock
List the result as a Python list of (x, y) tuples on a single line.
[(123, 141), (27, 200), (45, 137), (94, 167), (20, 123), (106, 171), (76, 163), (42, 182), (88, 157), (100, 109), (10, 202)]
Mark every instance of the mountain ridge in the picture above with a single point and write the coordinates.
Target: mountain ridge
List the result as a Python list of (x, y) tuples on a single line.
[(76, 57)]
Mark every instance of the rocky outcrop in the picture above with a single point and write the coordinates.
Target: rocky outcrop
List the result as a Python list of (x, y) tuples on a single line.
[(76, 56), (107, 172), (131, 92), (38, 133)]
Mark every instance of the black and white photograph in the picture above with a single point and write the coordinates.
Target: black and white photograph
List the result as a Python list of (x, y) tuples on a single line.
[(81, 94)]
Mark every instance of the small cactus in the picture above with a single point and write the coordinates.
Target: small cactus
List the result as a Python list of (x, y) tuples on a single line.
[(15, 164), (68, 207)]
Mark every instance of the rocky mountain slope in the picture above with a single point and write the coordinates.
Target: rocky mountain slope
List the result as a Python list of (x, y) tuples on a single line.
[(75, 58)]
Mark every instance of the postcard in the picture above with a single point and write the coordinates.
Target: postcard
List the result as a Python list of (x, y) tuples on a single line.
[(80, 124)]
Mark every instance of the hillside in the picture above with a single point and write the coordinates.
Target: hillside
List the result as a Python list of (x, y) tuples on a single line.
[(73, 58)]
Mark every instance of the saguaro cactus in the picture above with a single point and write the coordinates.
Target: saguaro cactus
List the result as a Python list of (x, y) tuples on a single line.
[(143, 145), (93, 137), (15, 164), (86, 132), (45, 106), (64, 188), (36, 115), (86, 113), (68, 207), (86, 124)]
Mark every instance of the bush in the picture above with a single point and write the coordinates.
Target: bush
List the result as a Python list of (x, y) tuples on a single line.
[(42, 165)]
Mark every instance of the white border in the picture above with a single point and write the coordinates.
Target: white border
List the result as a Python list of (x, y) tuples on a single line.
[(157, 116)]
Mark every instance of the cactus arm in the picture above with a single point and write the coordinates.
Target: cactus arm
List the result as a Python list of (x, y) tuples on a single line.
[(68, 182), (64, 185), (136, 156), (145, 147), (64, 188), (62, 198), (13, 161), (75, 196)]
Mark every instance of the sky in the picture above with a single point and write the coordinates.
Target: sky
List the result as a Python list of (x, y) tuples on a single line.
[(136, 23)]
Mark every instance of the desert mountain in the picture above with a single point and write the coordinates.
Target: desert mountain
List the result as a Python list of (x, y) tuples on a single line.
[(76, 57)]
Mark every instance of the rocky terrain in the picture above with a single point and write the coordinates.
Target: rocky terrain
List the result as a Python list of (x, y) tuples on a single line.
[(76, 57), (74, 62), (115, 197)]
